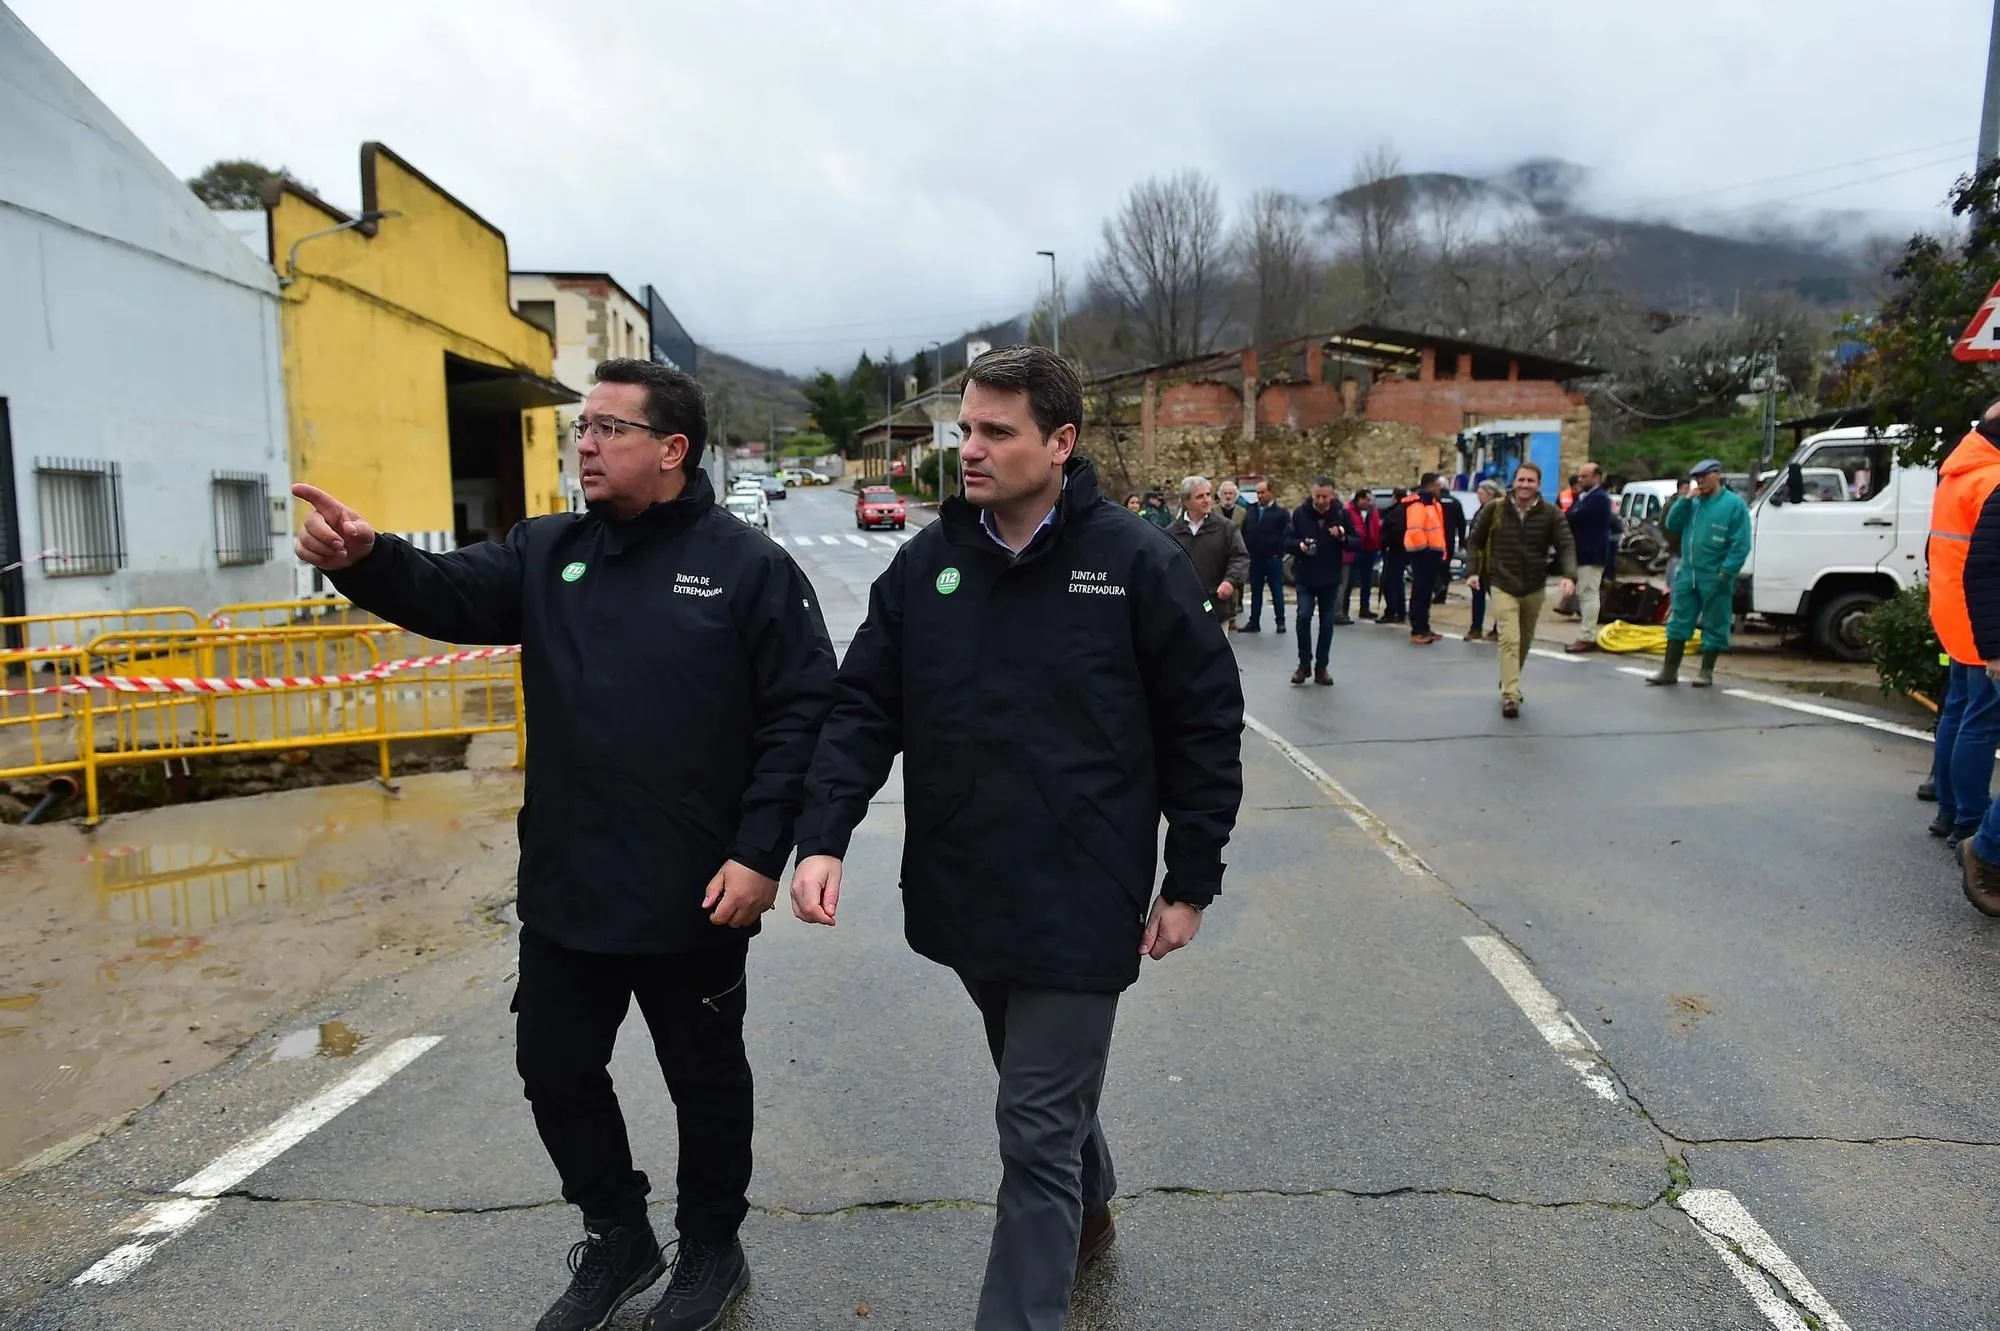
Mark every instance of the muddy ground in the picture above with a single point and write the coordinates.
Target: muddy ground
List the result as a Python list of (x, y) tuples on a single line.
[(151, 949)]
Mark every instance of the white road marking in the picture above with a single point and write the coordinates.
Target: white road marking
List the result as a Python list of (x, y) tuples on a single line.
[(1391, 845), (1640, 671), (829, 540), (1551, 655), (1540, 1006), (861, 541), (162, 1220), (1736, 1236), (1830, 713), (1721, 1220), (891, 541)]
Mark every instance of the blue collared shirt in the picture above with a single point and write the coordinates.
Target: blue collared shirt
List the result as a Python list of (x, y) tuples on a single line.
[(1048, 520)]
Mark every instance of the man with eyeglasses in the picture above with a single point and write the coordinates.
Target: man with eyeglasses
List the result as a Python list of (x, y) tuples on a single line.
[(676, 671)]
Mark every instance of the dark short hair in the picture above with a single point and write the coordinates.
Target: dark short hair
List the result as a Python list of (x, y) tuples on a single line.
[(1327, 481), (1364, 490), (1520, 467), (675, 403), (1428, 478), (1055, 394), (1399, 492)]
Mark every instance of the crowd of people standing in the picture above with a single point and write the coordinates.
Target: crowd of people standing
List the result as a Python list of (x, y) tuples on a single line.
[(1406, 548)]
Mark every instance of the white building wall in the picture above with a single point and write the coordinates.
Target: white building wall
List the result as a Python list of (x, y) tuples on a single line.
[(133, 329)]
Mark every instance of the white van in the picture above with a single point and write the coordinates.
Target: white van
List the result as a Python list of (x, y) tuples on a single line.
[(1644, 501), (1836, 532)]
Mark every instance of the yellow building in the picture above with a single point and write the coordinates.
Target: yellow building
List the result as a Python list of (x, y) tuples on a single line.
[(415, 392)]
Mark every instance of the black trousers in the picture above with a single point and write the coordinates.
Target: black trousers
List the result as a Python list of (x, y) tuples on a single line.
[(1426, 566), (568, 1009), (1393, 562)]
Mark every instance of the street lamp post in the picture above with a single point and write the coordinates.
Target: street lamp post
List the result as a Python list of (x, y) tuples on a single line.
[(1055, 309), (937, 387)]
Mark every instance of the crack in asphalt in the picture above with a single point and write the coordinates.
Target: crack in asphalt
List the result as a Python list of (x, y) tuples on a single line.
[(1783, 1139), (934, 1204)]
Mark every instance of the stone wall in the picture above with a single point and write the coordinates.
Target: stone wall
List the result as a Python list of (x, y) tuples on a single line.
[(1354, 452)]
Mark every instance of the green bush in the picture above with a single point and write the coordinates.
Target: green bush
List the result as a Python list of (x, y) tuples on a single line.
[(1904, 647)]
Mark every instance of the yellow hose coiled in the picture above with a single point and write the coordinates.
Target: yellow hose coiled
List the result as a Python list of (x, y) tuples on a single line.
[(1619, 636)]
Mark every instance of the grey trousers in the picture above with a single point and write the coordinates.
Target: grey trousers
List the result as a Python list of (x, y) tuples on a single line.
[(1050, 1047)]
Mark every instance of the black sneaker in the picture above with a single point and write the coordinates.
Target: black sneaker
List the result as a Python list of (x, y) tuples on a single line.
[(1962, 832), (609, 1267), (707, 1279), (1252, 628), (1941, 825)]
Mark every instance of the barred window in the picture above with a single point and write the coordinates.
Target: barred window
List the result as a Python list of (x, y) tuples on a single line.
[(242, 522), (83, 520)]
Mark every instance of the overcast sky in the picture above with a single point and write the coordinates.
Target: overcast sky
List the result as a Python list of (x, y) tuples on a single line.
[(805, 179)]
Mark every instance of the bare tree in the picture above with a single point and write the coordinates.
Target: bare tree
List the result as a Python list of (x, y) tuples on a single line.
[(1162, 261), (1277, 268), (1375, 218)]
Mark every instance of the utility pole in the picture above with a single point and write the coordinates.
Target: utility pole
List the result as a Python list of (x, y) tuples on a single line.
[(1771, 408), (888, 412), (1989, 112), (937, 389), (1055, 310)]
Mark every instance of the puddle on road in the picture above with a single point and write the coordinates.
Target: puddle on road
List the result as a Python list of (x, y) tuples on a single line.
[(150, 950), (330, 1039)]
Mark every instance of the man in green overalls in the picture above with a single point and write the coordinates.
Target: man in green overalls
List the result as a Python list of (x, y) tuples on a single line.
[(1714, 526)]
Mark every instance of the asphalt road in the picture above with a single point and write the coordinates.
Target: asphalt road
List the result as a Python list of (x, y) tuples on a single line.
[(1717, 973)]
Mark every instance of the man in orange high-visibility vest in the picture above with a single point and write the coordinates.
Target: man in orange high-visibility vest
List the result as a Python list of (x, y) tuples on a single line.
[(1962, 555), (1423, 541)]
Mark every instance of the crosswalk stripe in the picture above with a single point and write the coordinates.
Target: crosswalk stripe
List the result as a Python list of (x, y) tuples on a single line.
[(861, 541), (891, 541), (829, 540)]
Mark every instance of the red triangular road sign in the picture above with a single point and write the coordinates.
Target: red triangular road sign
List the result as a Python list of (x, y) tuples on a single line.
[(1981, 338)]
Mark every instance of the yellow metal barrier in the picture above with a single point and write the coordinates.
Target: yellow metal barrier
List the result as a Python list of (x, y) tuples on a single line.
[(69, 632), (44, 725), (280, 676)]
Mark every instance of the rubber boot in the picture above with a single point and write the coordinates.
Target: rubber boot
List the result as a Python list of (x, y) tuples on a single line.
[(1670, 669), (1706, 679)]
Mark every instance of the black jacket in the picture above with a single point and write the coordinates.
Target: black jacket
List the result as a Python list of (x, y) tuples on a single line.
[(1328, 532), (1395, 523), (1454, 525), (676, 671), (1050, 709), (1267, 530), (1982, 579)]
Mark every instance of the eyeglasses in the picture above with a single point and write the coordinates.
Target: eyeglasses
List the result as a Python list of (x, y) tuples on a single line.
[(608, 426)]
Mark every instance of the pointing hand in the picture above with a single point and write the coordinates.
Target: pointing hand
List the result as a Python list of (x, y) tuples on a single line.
[(335, 536)]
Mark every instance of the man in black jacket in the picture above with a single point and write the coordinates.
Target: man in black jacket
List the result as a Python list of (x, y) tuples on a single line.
[(676, 671), (1056, 680), (1266, 529), (1395, 559)]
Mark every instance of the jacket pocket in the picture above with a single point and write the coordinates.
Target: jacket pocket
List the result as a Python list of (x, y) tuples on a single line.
[(934, 803), (1093, 834)]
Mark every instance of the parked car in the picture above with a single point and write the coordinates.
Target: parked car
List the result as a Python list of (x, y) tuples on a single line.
[(802, 476), (751, 507), (773, 487), (879, 506)]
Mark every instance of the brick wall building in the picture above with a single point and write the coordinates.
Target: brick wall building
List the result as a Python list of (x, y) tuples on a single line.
[(1371, 406)]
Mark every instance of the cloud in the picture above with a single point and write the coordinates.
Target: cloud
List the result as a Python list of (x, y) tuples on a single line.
[(804, 179)]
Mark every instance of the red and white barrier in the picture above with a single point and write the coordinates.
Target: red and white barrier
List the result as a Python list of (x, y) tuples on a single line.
[(257, 684)]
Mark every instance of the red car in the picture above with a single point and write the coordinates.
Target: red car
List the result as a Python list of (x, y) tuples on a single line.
[(879, 506)]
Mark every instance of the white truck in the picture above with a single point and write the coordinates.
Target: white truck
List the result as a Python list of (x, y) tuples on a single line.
[(1824, 552)]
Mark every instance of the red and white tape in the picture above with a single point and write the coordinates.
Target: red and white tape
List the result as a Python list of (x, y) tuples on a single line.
[(260, 683)]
